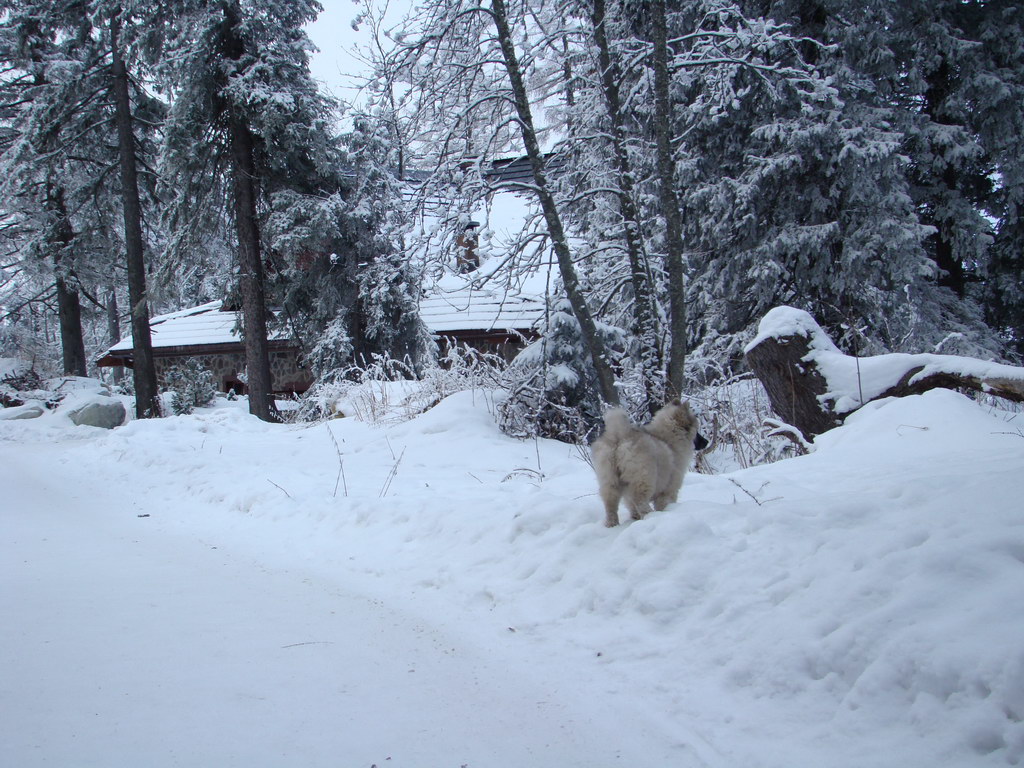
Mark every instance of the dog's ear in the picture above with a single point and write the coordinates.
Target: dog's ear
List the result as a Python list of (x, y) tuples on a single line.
[(700, 442), (675, 401)]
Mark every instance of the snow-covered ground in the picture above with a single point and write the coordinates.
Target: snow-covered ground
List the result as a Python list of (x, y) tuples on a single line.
[(213, 590)]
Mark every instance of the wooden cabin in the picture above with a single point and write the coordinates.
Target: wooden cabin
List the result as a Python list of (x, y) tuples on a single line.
[(455, 311), (488, 319), (460, 307), (209, 335)]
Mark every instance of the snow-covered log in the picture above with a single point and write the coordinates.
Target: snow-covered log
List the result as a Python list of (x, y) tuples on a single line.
[(812, 385)]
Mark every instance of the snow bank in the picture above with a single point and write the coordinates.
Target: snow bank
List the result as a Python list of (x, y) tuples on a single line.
[(860, 606)]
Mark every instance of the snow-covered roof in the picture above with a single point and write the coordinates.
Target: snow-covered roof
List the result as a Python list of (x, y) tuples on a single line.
[(205, 325), (481, 300), (456, 304), (473, 303)]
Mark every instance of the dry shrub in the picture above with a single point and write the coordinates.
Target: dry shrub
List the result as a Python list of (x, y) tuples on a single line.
[(384, 389)]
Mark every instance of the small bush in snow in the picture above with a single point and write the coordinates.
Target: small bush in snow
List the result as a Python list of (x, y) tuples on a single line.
[(190, 386), (552, 387), (532, 410)]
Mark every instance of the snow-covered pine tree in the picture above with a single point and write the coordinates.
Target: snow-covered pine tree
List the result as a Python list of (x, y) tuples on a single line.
[(190, 386), (891, 66), (246, 127), (43, 50), (793, 185), (555, 392), (995, 93), (60, 183), (667, 93), (350, 289), (389, 283)]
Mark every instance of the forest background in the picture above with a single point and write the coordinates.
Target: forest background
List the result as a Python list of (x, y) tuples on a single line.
[(693, 165)]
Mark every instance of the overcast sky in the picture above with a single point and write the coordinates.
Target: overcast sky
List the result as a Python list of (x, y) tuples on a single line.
[(335, 66)]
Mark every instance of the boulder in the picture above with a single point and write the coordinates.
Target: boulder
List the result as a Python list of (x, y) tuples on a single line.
[(26, 411), (102, 412)]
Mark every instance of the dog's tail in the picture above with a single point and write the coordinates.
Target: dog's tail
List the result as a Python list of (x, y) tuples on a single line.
[(616, 424)]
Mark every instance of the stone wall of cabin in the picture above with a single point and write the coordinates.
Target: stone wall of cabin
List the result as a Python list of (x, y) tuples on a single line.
[(285, 372)]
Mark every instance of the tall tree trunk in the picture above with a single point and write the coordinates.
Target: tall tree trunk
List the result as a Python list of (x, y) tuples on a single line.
[(559, 242), (69, 306), (114, 331), (72, 343), (643, 306), (60, 236), (669, 199), (947, 184), (251, 278), (147, 402)]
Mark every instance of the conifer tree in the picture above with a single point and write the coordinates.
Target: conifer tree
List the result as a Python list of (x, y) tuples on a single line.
[(246, 123), (147, 402), (917, 78), (58, 162), (42, 47), (350, 291)]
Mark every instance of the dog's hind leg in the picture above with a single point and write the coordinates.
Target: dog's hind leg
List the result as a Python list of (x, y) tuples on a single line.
[(610, 495), (638, 499), (670, 493)]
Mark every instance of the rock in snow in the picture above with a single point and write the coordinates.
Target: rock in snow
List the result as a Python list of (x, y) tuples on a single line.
[(103, 413)]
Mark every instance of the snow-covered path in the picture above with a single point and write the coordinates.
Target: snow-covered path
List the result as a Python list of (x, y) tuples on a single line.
[(140, 646)]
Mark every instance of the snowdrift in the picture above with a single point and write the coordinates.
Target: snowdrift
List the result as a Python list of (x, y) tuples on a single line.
[(858, 606)]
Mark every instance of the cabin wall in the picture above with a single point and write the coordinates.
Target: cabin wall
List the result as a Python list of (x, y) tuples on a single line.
[(503, 345), (285, 372)]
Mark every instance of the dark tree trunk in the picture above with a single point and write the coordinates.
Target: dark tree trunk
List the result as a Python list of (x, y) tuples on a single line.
[(59, 238), (573, 291), (911, 383), (951, 269), (69, 306), (669, 199), (794, 385), (643, 311), (251, 278), (947, 185), (69, 310), (147, 402), (114, 331)]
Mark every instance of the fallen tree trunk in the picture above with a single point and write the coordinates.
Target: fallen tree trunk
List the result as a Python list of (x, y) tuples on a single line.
[(795, 387), (918, 380), (813, 386)]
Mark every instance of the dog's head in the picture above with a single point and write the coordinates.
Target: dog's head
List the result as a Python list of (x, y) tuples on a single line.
[(683, 421), (677, 419)]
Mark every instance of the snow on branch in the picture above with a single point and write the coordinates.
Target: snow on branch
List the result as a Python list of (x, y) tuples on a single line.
[(813, 385)]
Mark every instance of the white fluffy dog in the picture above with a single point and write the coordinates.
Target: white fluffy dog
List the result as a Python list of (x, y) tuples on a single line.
[(644, 464)]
